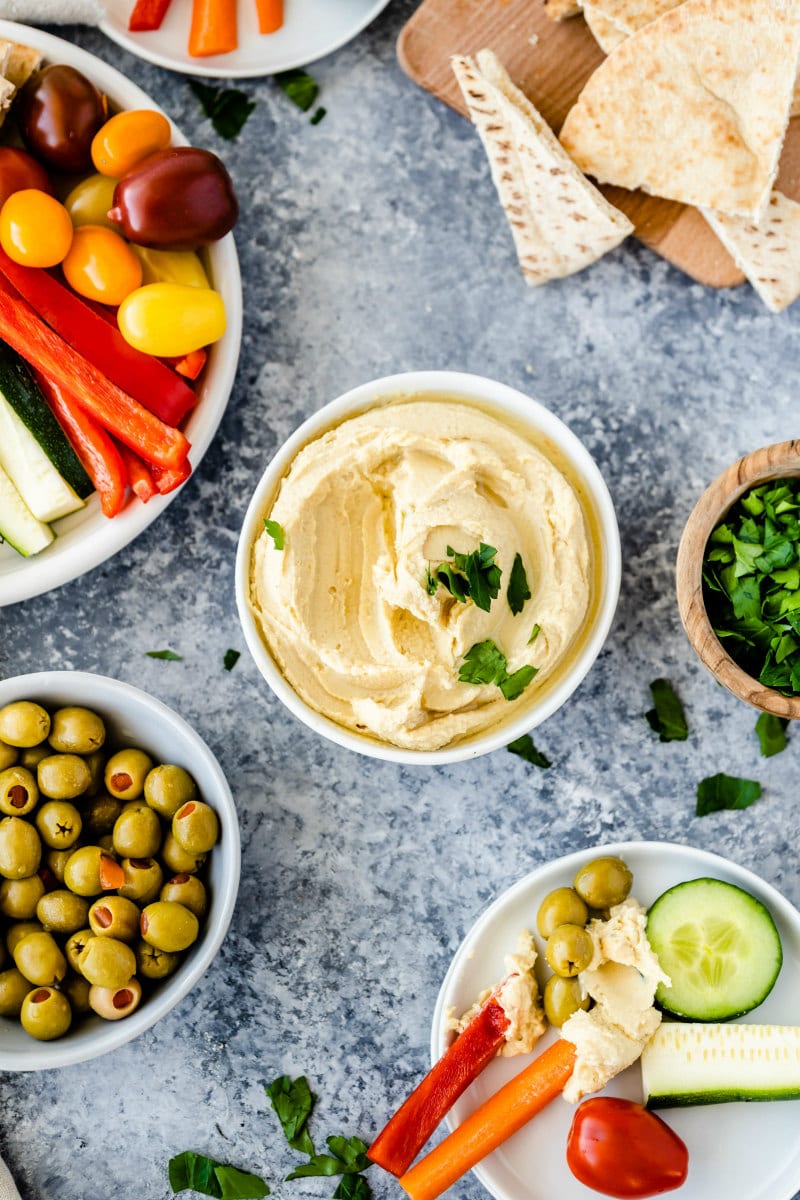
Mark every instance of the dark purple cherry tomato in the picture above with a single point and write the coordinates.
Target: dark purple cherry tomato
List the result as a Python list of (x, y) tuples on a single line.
[(176, 199), (621, 1149), (20, 170), (58, 112)]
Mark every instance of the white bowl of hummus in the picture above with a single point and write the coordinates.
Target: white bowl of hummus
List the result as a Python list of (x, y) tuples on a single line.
[(428, 567)]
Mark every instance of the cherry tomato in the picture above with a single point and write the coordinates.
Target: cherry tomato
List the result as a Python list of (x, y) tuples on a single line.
[(170, 319), (171, 266), (88, 203), (19, 170), (35, 229), (621, 1149), (58, 112), (127, 138), (101, 266), (176, 199)]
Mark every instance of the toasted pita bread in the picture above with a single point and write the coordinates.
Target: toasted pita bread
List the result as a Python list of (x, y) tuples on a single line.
[(21, 64), (632, 15), (693, 107), (607, 35), (559, 221), (767, 253), (557, 10)]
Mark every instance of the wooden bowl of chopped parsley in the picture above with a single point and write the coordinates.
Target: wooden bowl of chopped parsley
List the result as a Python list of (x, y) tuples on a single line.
[(738, 578)]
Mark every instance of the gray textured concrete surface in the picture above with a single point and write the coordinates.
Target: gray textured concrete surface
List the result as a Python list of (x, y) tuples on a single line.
[(369, 244)]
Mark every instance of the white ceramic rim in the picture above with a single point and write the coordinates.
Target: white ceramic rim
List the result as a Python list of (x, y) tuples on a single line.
[(707, 861), (527, 411), (223, 65), (56, 565), (110, 1036)]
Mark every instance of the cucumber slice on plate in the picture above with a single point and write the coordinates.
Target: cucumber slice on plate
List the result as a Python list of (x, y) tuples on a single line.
[(18, 526), (46, 494), (719, 946), (709, 1064)]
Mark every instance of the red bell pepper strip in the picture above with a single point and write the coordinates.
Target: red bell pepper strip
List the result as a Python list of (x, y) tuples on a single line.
[(117, 412), (139, 478), (167, 480), (80, 324), (147, 15), (399, 1143), (100, 457)]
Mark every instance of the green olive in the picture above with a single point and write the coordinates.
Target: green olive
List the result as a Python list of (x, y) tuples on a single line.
[(169, 926), (45, 1014), (39, 959), (603, 882), (19, 897), (152, 963), (195, 827), (23, 723), (137, 833), (167, 787), (18, 791), (125, 773), (75, 730), (77, 989), (14, 987), (188, 891), (569, 950), (62, 911), (56, 861), (33, 755), (20, 848), (560, 907), (59, 824), (143, 879), (99, 816), (19, 931), (75, 947), (62, 776), (114, 1003), (562, 997), (106, 844), (8, 756), (114, 916), (82, 871), (96, 762), (178, 860), (107, 962)]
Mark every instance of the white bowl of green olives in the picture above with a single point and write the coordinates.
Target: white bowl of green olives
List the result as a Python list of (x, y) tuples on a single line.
[(119, 865)]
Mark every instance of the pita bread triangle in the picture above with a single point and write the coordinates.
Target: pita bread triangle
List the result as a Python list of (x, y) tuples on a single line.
[(694, 106), (559, 221), (630, 15), (607, 34), (768, 253)]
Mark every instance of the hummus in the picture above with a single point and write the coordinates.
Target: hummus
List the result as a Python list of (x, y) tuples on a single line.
[(622, 979), (518, 996), (367, 510)]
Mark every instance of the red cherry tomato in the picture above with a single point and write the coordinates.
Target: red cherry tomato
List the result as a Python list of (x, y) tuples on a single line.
[(621, 1149), (20, 170)]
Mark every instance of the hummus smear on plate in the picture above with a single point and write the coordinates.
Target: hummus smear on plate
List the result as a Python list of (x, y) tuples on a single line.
[(367, 514)]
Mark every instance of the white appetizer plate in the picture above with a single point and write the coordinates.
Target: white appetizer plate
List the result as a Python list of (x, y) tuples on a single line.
[(736, 1151), (87, 538), (312, 29)]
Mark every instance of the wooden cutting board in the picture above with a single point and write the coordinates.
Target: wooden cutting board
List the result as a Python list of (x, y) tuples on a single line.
[(552, 72)]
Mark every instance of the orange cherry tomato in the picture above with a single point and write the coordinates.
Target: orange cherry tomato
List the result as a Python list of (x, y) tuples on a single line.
[(127, 138), (34, 228), (621, 1149), (101, 265)]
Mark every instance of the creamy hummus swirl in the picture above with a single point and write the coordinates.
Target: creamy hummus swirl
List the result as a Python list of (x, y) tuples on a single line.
[(366, 509)]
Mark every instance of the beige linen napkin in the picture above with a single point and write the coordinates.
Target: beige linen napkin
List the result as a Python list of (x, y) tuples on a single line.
[(8, 1190), (52, 12)]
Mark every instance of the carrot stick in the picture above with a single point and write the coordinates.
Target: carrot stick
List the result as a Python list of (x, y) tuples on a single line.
[(270, 15), (493, 1123), (213, 28)]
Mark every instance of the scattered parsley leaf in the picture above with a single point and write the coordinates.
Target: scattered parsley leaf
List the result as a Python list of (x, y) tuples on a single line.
[(518, 590), (524, 747), (318, 116), (483, 663), (771, 731), (276, 532), (210, 1178), (299, 86), (348, 1157), (352, 1187), (166, 655), (231, 659), (667, 719), (721, 791), (227, 109), (293, 1100), (537, 629)]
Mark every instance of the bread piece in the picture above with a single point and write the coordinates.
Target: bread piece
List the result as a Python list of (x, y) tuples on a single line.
[(21, 64), (607, 35), (632, 15), (557, 10), (767, 253)]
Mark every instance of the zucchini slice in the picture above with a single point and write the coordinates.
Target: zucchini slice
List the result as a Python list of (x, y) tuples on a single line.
[(46, 494), (711, 1064), (18, 525), (719, 946)]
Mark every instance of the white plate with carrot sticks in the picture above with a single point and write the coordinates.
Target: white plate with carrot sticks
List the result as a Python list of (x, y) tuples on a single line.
[(86, 538), (736, 1150), (301, 32)]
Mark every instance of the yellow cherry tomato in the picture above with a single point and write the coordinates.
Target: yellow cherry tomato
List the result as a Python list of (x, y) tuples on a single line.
[(89, 202), (127, 138), (35, 229), (171, 319), (101, 265), (171, 266)]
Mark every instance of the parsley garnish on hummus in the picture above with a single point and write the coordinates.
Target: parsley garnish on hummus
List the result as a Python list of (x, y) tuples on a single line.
[(474, 576), (518, 590), (276, 532), (485, 663)]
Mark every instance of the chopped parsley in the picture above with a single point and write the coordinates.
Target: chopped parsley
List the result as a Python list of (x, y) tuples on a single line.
[(721, 791), (518, 590), (211, 1178), (276, 532), (474, 576), (318, 116), (667, 718), (524, 747), (231, 659), (771, 732), (293, 1101), (485, 663), (537, 629), (301, 88), (227, 109), (165, 655)]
